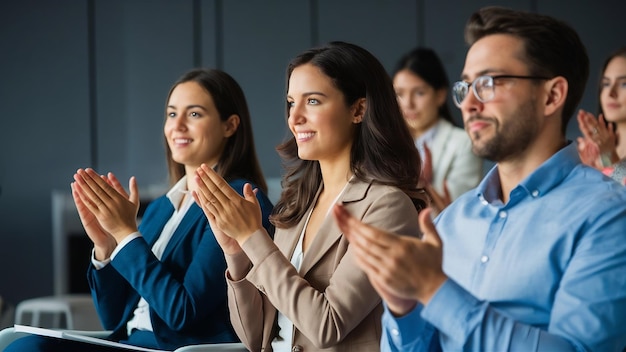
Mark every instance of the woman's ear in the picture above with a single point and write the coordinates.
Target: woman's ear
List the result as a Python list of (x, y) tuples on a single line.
[(230, 125), (556, 93), (359, 108)]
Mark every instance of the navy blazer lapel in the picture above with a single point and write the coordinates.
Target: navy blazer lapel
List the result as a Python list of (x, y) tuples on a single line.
[(329, 233), (193, 215), (155, 219)]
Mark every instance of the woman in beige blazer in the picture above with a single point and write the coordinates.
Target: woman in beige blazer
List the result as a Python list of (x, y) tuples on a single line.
[(304, 291)]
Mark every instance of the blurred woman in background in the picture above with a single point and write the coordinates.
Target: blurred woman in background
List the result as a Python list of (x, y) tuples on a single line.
[(601, 145), (449, 166)]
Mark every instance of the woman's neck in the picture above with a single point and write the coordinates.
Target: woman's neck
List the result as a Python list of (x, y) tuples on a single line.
[(335, 177), (417, 133)]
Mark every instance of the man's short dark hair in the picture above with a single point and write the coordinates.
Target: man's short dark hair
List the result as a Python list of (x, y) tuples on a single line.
[(552, 47)]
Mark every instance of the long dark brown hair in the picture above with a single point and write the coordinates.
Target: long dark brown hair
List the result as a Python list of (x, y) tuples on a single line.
[(383, 150), (239, 159)]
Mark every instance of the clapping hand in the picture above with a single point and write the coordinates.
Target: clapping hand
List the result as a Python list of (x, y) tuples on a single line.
[(404, 270), (106, 210), (233, 218)]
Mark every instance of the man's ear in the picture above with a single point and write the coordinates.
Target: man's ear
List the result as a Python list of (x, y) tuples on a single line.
[(230, 125), (359, 108), (556, 93)]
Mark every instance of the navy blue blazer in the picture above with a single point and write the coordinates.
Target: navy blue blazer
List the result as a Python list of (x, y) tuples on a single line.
[(186, 289)]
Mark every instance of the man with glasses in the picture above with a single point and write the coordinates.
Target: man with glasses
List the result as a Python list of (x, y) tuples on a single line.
[(532, 259)]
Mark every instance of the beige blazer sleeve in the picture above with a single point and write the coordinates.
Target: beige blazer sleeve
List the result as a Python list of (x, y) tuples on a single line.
[(330, 300)]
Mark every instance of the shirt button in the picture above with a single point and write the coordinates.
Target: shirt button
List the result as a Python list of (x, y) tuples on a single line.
[(502, 214), (535, 193), (395, 332), (484, 259)]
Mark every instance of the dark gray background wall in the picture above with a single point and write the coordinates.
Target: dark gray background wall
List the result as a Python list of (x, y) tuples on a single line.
[(83, 83)]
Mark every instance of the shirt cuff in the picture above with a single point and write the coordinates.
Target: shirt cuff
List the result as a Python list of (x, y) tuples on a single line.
[(454, 311), (98, 264), (123, 243), (409, 332)]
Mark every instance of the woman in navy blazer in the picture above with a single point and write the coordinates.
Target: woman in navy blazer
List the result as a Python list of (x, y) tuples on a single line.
[(162, 285)]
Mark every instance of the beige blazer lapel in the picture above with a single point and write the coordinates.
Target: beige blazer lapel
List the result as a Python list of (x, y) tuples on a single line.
[(286, 241), (329, 233)]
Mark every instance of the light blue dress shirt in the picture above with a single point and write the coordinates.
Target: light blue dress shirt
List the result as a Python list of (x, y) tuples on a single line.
[(545, 271)]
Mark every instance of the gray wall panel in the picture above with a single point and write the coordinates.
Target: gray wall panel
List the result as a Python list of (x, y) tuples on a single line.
[(260, 38), (45, 132), (209, 29), (139, 54), (385, 28)]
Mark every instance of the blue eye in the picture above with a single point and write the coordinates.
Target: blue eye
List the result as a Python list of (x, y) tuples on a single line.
[(171, 114), (194, 114), (313, 101), (290, 104)]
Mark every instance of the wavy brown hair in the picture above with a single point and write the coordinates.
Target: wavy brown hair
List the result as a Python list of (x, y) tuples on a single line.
[(239, 159), (382, 151), (551, 47)]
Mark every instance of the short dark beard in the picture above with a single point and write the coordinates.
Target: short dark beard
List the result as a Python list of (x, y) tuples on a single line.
[(511, 137)]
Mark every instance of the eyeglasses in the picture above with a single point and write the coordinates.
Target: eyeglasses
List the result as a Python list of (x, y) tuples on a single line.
[(483, 88)]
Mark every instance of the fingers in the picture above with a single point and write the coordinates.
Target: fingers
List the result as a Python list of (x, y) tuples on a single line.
[(211, 186), (78, 201), (428, 228), (203, 193), (427, 167), (587, 124), (250, 194), (446, 193), (90, 190), (134, 190), (115, 183), (203, 202), (372, 240)]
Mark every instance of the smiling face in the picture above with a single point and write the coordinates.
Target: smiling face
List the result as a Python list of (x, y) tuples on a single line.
[(613, 90), (418, 100), (193, 129), (320, 120), (505, 126)]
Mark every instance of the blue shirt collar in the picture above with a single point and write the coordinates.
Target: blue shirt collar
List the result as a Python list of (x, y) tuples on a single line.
[(547, 176)]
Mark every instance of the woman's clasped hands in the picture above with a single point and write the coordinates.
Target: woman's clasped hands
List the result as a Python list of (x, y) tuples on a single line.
[(107, 212), (233, 218)]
